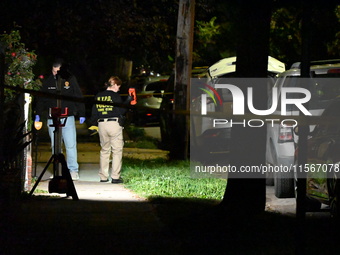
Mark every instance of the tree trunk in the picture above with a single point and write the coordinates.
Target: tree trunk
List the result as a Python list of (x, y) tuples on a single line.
[(248, 145), (2, 101), (123, 68), (185, 28)]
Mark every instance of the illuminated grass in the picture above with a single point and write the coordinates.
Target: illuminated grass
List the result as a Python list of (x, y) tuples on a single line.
[(162, 178)]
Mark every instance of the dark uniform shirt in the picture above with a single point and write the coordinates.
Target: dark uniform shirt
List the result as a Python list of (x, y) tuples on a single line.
[(100, 111), (68, 87)]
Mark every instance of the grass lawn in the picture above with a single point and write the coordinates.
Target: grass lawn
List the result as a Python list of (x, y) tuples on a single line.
[(171, 179)]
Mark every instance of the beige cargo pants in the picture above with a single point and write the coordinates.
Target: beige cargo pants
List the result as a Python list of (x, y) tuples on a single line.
[(111, 141)]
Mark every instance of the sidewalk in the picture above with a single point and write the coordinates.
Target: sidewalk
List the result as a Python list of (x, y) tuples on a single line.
[(88, 187), (110, 219), (107, 218)]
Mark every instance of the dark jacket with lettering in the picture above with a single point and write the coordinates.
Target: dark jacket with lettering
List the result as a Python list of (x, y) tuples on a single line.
[(68, 87), (105, 110)]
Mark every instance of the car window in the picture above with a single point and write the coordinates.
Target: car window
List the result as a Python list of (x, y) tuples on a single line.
[(327, 88), (322, 88), (137, 83), (170, 84), (330, 125), (289, 82), (159, 85)]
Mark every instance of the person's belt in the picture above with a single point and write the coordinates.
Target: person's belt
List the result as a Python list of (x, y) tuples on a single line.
[(108, 119)]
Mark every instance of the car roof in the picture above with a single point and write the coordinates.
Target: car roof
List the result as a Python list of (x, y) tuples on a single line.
[(228, 65), (297, 65), (318, 67)]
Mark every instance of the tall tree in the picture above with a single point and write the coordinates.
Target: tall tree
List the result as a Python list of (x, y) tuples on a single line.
[(93, 34), (248, 144), (183, 74)]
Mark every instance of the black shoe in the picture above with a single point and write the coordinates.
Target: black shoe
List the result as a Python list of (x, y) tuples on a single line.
[(104, 180), (117, 181)]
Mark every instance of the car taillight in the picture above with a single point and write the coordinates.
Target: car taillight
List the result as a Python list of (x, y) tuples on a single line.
[(285, 134), (211, 134), (334, 70)]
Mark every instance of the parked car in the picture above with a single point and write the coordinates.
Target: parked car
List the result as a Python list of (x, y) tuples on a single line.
[(166, 119), (323, 162), (281, 140), (149, 91), (214, 142), (166, 122)]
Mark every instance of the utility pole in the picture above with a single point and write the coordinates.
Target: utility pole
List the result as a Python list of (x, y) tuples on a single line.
[(184, 42)]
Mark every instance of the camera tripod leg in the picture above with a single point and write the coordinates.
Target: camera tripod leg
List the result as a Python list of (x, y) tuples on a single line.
[(71, 190), (41, 175)]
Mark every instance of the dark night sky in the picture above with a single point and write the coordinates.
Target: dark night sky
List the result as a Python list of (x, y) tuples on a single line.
[(92, 34)]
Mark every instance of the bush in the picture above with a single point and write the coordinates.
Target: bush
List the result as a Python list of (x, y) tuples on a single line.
[(138, 139)]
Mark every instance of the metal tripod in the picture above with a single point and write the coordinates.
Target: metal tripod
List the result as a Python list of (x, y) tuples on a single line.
[(62, 181)]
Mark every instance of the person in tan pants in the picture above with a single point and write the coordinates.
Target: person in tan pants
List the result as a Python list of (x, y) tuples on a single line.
[(107, 117)]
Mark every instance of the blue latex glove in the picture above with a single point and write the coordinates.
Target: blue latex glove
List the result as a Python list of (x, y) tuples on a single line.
[(82, 120), (37, 118)]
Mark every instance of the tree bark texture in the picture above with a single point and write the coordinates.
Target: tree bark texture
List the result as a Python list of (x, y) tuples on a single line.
[(185, 28), (245, 196)]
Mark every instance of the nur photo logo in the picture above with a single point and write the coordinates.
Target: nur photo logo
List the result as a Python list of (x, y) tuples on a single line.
[(238, 100), (212, 93)]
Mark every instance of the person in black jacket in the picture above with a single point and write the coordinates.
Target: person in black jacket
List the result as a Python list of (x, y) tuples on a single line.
[(61, 82), (108, 117)]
